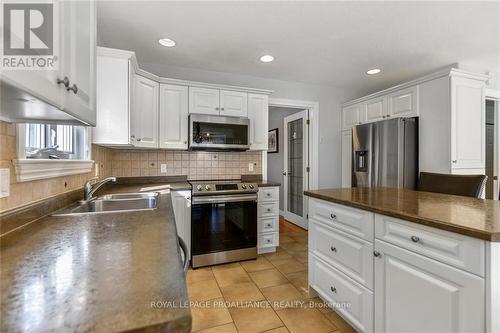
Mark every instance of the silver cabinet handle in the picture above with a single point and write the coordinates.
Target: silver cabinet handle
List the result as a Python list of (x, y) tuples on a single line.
[(334, 249), (183, 247), (415, 239), (132, 136), (333, 216), (388, 115), (269, 209), (376, 253), (454, 161), (185, 142), (138, 139), (64, 81), (74, 88), (217, 108), (268, 194), (269, 241), (269, 224), (222, 109), (333, 289)]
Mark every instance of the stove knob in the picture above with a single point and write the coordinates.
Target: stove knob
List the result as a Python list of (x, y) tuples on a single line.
[(251, 186), (243, 186), (207, 187), (199, 188)]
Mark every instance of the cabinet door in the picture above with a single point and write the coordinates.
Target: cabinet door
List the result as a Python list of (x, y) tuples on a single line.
[(417, 294), (78, 29), (467, 124), (42, 84), (145, 113), (351, 116), (346, 158), (404, 103), (233, 103), (258, 112), (173, 116), (203, 100), (376, 109)]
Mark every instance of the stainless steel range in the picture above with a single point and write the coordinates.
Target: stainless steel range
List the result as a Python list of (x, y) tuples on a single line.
[(223, 222)]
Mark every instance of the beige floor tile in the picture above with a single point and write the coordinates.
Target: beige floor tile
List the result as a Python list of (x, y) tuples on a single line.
[(304, 320), (299, 280), (242, 292), (199, 274), (228, 328), (282, 296), (226, 266), (278, 330), (340, 323), (228, 276), (279, 255), (259, 264), (203, 290), (268, 278), (255, 319), (210, 316), (294, 247), (319, 304), (289, 266)]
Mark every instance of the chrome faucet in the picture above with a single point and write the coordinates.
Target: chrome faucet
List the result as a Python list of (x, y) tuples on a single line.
[(89, 188)]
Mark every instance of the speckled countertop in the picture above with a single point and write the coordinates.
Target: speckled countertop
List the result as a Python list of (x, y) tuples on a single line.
[(98, 273), (477, 218), (258, 179)]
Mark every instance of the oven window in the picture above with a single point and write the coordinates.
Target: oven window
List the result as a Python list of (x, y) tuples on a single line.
[(227, 226), (212, 133)]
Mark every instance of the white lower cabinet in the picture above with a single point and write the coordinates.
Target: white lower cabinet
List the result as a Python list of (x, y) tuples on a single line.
[(267, 219), (350, 299), (417, 294), (388, 275), (181, 204)]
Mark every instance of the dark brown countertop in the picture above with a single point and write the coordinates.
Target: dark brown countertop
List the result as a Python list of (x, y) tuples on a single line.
[(98, 273), (477, 218), (258, 179)]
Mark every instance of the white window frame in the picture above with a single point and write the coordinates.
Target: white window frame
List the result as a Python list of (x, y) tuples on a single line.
[(28, 169)]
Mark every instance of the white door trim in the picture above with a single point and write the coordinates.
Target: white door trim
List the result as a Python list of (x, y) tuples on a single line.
[(301, 221), (313, 108)]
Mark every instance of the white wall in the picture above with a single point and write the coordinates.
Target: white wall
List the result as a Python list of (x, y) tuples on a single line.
[(329, 100)]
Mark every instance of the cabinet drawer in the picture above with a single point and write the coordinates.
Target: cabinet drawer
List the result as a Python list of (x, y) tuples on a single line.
[(463, 252), (268, 209), (268, 194), (351, 255), (268, 239), (351, 300), (351, 220), (267, 224)]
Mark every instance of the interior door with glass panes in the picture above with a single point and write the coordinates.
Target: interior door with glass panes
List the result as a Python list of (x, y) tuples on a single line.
[(296, 168)]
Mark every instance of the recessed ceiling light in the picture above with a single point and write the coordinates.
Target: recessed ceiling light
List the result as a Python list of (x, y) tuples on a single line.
[(373, 71), (267, 58), (167, 42)]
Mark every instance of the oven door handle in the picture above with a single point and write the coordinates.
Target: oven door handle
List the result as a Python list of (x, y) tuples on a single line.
[(223, 198)]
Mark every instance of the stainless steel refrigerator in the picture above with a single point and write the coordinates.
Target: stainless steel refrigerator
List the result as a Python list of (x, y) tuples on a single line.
[(385, 153)]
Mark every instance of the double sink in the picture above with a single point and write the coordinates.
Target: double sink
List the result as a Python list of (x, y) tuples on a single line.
[(113, 203)]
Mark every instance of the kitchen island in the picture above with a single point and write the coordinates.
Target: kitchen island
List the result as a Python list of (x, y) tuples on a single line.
[(109, 272), (391, 259)]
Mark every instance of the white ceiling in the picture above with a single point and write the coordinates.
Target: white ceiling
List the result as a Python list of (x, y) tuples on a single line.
[(325, 43)]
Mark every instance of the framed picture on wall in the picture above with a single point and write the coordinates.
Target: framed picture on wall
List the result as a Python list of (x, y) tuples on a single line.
[(273, 141)]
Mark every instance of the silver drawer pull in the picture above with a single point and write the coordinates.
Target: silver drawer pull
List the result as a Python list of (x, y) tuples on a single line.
[(333, 289), (333, 216), (415, 239), (269, 224), (268, 194), (334, 249), (269, 209), (269, 241), (376, 253)]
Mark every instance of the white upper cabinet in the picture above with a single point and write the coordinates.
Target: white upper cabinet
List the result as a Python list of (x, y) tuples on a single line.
[(404, 103), (173, 116), (467, 123), (79, 58), (351, 115), (376, 109), (72, 86), (258, 112), (204, 100), (408, 286), (233, 103), (144, 125)]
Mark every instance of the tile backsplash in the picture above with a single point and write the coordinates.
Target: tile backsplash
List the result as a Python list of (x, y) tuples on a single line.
[(194, 164)]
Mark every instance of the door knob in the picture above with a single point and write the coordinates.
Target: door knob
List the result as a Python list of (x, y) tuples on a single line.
[(64, 81)]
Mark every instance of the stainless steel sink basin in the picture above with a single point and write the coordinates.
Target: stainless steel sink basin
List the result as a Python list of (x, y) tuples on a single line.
[(113, 203)]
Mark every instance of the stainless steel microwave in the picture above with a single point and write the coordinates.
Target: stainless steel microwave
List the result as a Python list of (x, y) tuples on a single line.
[(214, 133)]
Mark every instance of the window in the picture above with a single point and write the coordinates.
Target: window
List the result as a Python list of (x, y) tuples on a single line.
[(51, 150), (55, 141)]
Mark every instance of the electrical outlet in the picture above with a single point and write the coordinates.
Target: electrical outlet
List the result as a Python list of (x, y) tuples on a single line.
[(163, 168), (4, 182), (250, 166)]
